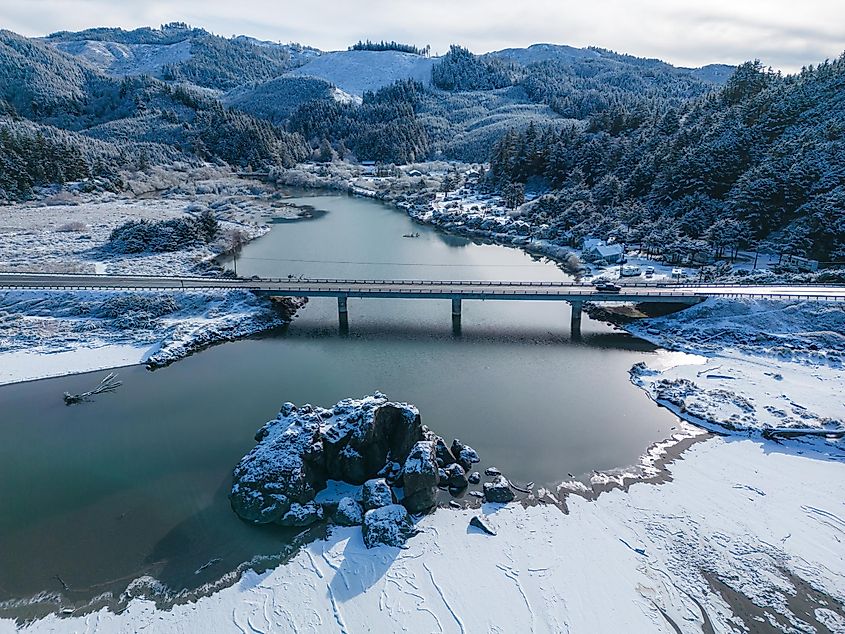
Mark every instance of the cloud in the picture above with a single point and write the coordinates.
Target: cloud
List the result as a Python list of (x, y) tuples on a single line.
[(781, 33)]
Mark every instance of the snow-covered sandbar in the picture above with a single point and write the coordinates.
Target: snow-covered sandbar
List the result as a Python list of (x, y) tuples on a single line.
[(631, 561)]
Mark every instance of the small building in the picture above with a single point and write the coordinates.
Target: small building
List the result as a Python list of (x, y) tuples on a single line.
[(597, 250)]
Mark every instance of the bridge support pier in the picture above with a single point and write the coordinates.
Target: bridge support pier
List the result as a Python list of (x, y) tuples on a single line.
[(342, 315), (456, 307), (575, 324)]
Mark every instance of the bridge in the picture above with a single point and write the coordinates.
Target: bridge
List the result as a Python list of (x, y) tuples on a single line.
[(455, 290)]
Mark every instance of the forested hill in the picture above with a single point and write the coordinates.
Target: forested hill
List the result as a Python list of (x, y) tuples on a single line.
[(61, 120), (763, 159), (624, 145), (176, 52)]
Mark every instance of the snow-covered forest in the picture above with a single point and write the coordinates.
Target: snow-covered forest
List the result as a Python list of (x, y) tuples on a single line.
[(704, 161)]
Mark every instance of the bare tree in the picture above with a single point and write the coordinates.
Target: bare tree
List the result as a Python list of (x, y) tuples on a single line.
[(235, 240)]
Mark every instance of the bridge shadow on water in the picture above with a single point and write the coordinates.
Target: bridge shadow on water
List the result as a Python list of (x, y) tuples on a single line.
[(456, 334)]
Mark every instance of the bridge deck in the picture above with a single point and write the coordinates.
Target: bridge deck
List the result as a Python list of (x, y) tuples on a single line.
[(425, 289)]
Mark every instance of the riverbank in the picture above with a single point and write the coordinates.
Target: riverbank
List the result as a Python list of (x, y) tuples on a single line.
[(736, 529), (53, 333)]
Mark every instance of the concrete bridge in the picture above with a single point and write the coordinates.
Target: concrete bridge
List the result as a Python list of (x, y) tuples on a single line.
[(456, 291)]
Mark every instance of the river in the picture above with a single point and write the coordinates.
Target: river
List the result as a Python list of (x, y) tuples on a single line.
[(134, 483)]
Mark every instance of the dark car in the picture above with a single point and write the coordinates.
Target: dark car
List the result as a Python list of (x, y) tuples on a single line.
[(607, 287)]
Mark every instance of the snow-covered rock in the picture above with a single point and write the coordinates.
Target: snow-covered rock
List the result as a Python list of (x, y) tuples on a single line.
[(284, 468), (304, 447), (360, 437), (376, 493), (455, 476), (389, 526), (421, 477), (499, 490), (348, 513)]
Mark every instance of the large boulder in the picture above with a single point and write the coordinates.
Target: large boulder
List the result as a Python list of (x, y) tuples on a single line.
[(285, 468), (499, 490), (348, 513), (376, 493), (388, 525), (444, 454), (421, 478), (302, 514), (361, 436), (456, 477)]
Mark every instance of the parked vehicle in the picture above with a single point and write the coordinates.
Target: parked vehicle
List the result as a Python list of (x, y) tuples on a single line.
[(630, 270), (649, 271)]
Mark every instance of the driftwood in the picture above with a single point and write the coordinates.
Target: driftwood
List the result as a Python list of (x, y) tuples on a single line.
[(527, 488), (788, 432), (108, 384)]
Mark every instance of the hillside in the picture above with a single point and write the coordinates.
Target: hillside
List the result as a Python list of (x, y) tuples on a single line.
[(61, 120), (761, 162), (176, 52), (538, 53), (690, 160), (357, 72), (277, 99)]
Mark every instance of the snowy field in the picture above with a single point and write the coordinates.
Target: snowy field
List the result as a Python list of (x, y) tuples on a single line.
[(51, 333), (45, 334), (356, 72), (739, 516)]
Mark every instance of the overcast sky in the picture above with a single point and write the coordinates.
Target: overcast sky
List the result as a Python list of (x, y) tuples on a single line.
[(785, 34)]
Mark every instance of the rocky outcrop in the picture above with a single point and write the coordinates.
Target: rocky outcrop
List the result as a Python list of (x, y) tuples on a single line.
[(304, 446), (368, 447), (361, 437), (421, 478), (283, 469)]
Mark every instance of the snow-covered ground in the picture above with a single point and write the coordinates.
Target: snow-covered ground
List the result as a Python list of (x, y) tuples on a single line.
[(118, 59), (45, 334), (737, 517), (51, 333), (768, 364), (356, 72)]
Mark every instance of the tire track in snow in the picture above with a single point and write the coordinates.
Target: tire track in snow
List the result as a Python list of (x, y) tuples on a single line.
[(514, 576), (443, 598), (420, 606), (336, 610), (826, 518)]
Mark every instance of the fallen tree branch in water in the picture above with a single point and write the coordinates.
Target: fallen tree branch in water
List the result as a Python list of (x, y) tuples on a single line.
[(108, 384)]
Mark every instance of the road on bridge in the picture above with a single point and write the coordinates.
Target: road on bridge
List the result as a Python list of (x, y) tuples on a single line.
[(421, 289)]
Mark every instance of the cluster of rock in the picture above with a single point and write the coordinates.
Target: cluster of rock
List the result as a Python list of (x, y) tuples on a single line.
[(372, 442)]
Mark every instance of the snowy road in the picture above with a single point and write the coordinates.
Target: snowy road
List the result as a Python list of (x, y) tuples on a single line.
[(434, 289)]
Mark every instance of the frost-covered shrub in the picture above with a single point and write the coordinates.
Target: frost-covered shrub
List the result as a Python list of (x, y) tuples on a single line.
[(72, 227), (140, 236), (122, 305)]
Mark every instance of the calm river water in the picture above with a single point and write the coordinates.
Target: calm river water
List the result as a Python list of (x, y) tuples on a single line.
[(134, 483)]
